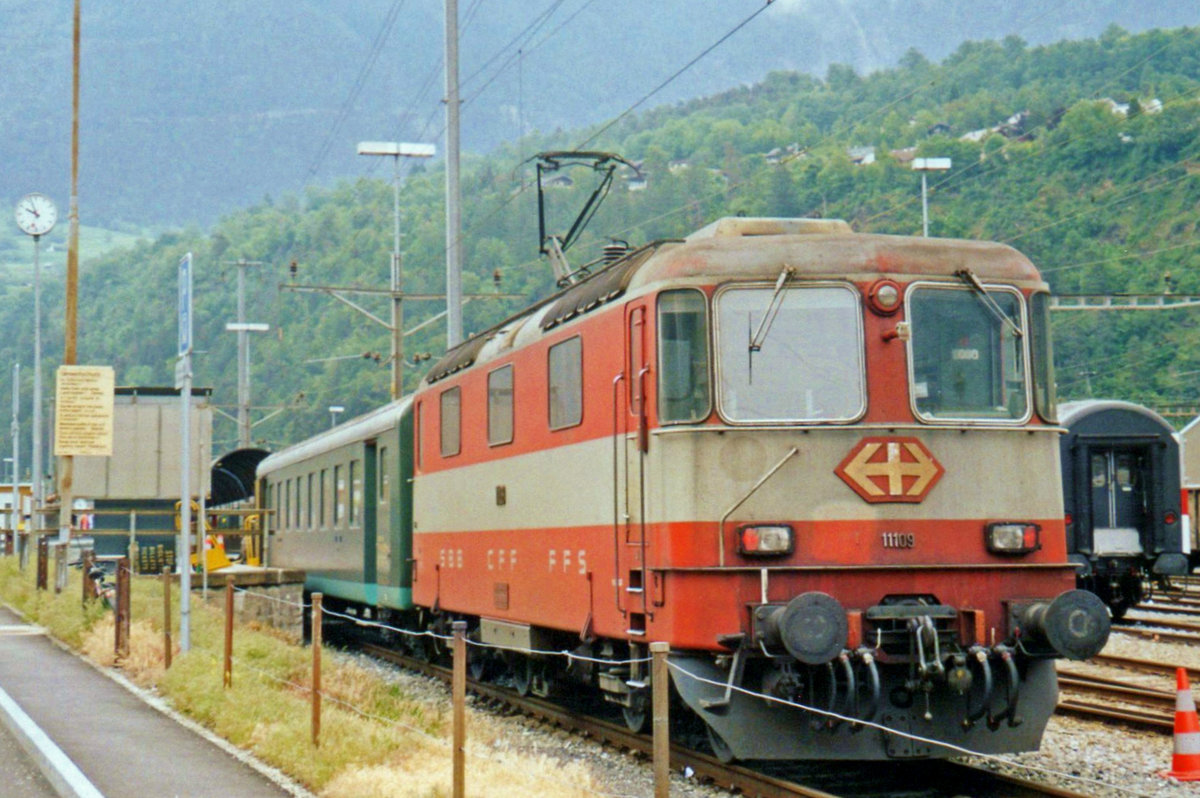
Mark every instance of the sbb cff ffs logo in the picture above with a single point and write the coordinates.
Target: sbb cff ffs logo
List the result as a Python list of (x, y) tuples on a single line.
[(890, 470)]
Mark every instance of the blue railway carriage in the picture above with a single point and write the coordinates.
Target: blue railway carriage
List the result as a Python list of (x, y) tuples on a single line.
[(342, 509), (1121, 484)]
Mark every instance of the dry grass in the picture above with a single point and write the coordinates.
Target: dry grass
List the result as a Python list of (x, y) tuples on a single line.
[(402, 749)]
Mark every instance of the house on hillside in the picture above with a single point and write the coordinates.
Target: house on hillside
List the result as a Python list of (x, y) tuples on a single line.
[(861, 156)]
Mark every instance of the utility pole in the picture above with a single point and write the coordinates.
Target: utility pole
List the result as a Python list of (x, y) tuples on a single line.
[(16, 457), (396, 150), (243, 352), (66, 468), (454, 327)]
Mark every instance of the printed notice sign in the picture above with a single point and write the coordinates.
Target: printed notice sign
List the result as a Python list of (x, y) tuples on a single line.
[(83, 411)]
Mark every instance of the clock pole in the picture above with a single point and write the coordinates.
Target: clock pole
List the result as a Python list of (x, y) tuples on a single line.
[(38, 487)]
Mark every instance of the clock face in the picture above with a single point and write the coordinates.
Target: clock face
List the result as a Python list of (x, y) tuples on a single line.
[(36, 214)]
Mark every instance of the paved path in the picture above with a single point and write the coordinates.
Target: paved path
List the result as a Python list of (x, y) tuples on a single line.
[(121, 746)]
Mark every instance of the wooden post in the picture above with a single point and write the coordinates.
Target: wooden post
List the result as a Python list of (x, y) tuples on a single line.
[(316, 669), (660, 681), (166, 582), (459, 697), (43, 552), (229, 632), (123, 597), (89, 562)]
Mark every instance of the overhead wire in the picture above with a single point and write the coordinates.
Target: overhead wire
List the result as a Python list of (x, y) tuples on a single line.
[(356, 88)]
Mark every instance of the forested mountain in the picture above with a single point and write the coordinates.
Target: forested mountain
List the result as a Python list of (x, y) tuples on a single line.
[(1085, 155), (195, 109)]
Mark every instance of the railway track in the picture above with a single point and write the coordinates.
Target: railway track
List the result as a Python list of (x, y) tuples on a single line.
[(945, 778)]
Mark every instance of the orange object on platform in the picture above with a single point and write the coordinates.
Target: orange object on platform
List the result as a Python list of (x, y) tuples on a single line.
[(1185, 763)]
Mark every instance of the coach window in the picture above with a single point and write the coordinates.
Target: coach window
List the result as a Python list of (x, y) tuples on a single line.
[(339, 496), (308, 508), (790, 353), (566, 383), (967, 353), (383, 475), (1044, 398), (683, 391), (321, 509), (299, 499), (285, 504), (356, 491), (451, 422), (500, 406)]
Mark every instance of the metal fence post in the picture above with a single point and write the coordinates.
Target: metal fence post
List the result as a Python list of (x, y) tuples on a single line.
[(459, 694), (660, 681), (166, 583), (316, 668)]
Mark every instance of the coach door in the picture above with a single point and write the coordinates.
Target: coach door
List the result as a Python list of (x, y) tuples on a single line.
[(635, 442), (1119, 477)]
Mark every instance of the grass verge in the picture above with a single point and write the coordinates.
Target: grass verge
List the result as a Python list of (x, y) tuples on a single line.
[(393, 742)]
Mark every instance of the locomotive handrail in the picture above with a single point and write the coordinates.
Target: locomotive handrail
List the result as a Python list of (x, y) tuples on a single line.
[(762, 481), (617, 380)]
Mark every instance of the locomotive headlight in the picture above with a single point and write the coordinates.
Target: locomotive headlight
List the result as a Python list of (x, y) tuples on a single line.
[(765, 540), (1013, 538)]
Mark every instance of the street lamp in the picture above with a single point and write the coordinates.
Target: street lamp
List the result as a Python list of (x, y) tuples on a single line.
[(924, 165), (396, 150), (334, 412)]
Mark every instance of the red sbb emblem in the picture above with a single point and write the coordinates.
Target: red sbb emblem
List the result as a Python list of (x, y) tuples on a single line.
[(890, 470)]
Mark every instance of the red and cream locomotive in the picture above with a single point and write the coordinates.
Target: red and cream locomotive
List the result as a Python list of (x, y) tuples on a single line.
[(821, 465)]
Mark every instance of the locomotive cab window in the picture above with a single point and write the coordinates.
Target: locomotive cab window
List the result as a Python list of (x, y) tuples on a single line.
[(451, 422), (683, 392), (1044, 398), (790, 353), (967, 354), (500, 406), (566, 383)]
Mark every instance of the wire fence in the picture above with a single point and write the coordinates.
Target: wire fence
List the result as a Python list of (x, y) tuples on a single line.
[(677, 672)]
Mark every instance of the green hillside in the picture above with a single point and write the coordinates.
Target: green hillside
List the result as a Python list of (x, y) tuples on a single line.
[(1084, 155)]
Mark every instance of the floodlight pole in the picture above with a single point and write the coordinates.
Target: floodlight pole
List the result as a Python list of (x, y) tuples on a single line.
[(924, 165), (396, 150)]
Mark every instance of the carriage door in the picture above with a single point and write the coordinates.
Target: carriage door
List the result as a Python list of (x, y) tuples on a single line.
[(1119, 500), (632, 557)]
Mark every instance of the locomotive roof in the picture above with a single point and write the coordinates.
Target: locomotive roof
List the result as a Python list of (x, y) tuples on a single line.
[(748, 249), (360, 428)]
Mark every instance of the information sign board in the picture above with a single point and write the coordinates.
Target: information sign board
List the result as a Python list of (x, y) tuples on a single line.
[(83, 411), (185, 304)]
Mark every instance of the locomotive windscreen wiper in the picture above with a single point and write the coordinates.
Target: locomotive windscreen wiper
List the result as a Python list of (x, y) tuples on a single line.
[(986, 300), (764, 326)]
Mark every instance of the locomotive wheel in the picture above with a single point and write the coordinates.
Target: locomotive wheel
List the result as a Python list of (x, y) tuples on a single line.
[(720, 748), (636, 716), (1118, 609), (522, 673)]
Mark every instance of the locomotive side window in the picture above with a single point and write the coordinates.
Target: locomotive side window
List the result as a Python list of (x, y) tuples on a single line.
[(451, 422), (566, 383), (683, 392), (967, 362), (790, 354), (1044, 398), (500, 406)]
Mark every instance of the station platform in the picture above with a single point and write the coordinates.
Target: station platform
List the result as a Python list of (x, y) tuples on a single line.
[(91, 735)]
